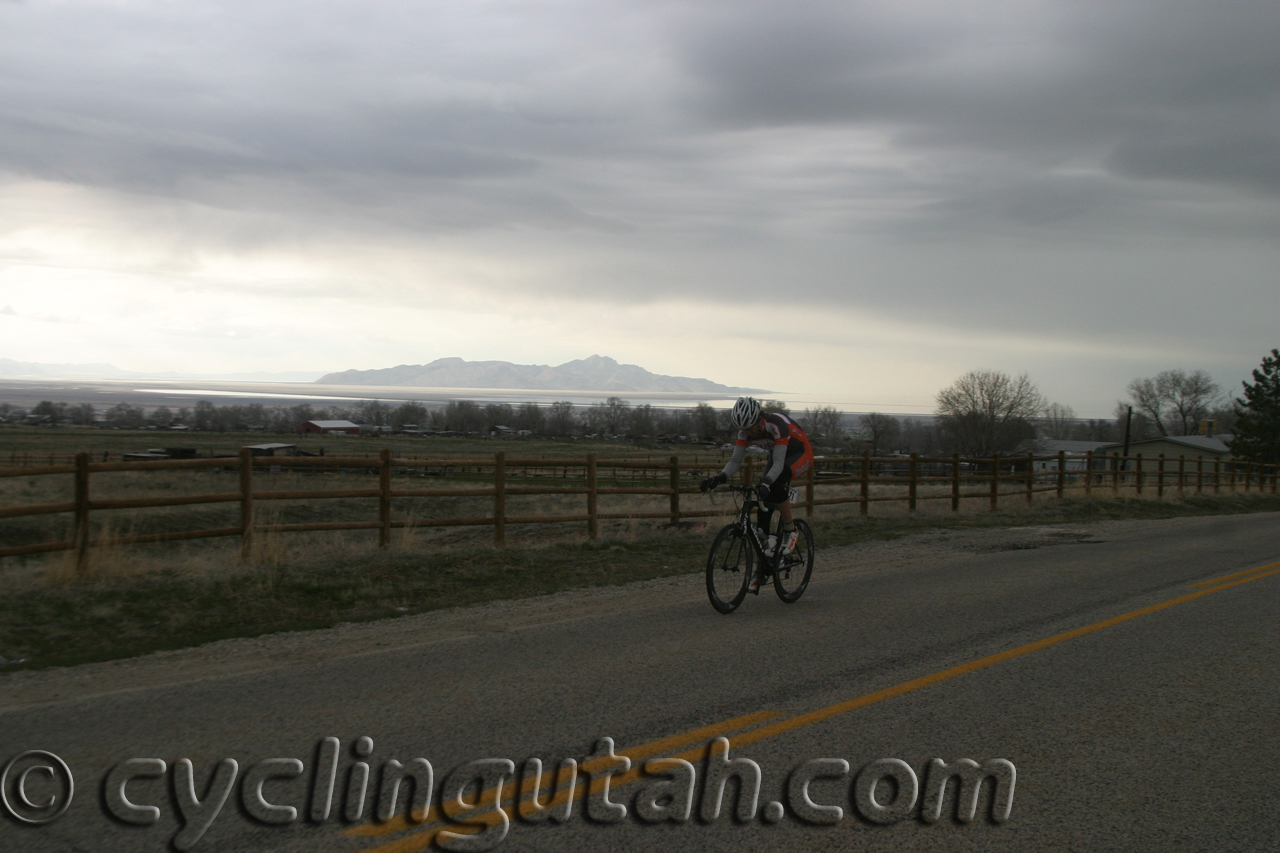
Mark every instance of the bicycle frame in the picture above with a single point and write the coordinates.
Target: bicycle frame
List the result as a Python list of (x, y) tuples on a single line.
[(739, 544), (746, 523)]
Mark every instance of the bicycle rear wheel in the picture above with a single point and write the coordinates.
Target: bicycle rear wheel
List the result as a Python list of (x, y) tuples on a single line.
[(729, 567), (792, 575)]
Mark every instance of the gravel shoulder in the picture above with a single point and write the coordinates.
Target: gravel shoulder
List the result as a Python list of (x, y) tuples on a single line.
[(227, 658)]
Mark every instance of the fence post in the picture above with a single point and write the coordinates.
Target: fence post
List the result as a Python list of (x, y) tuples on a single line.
[(995, 481), (82, 515), (1199, 474), (500, 498), (1160, 477), (912, 477), (246, 503), (1138, 476), (384, 497), (865, 485), (1062, 472), (1182, 473), (1088, 477), (808, 489), (1231, 482), (1031, 476), (593, 516), (1248, 475), (1217, 476), (1115, 475), (675, 489), (955, 482)]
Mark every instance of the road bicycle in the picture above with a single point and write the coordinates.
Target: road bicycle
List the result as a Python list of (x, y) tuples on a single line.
[(741, 548)]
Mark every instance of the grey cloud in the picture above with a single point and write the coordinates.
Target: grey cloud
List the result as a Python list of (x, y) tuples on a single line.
[(1032, 167), (1249, 161), (1073, 79)]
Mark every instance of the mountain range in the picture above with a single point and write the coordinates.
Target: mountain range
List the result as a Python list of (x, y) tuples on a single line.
[(9, 367), (597, 373)]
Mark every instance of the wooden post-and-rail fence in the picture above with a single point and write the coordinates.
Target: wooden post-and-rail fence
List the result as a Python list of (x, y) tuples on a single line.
[(988, 474)]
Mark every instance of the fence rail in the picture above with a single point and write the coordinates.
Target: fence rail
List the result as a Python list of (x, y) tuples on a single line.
[(1092, 474)]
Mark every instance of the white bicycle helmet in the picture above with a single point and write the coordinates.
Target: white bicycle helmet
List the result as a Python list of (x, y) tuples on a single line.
[(745, 414)]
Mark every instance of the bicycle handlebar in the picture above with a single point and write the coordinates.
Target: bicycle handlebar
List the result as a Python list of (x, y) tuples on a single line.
[(747, 491)]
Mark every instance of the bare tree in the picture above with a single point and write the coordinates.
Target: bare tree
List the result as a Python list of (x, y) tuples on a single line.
[(677, 421), (408, 412), (1058, 422), (986, 411), (826, 422), (705, 420), (643, 420), (560, 418), (920, 437), (880, 430), (55, 412), (1191, 397), (1174, 400), (593, 419), (125, 416), (464, 416), (615, 414), (373, 412), (529, 416), (498, 414), (205, 415), (1147, 402), (1098, 429), (83, 413)]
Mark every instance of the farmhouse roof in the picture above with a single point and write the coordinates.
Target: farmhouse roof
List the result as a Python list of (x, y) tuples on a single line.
[(1053, 445), (335, 424), (1210, 444)]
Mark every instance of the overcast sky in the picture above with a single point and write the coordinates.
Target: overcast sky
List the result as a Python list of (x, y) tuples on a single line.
[(854, 201)]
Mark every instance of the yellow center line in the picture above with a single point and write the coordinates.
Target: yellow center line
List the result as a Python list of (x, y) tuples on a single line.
[(635, 753), (421, 840), (1233, 576)]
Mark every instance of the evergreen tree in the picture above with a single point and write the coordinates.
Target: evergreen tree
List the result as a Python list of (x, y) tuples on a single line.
[(1257, 430)]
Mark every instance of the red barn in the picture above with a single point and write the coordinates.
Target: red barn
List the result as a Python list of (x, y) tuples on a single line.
[(330, 427)]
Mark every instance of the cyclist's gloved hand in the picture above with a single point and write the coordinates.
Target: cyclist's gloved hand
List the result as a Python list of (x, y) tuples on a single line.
[(711, 482), (762, 491)]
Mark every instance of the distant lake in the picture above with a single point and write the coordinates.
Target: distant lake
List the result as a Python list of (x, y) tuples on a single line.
[(176, 393)]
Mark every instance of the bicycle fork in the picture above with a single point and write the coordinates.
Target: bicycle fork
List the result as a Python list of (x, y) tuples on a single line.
[(767, 563)]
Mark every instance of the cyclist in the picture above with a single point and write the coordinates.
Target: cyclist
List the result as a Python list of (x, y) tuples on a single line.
[(791, 456)]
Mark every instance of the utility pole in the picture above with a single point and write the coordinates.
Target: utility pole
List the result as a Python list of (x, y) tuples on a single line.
[(1128, 421)]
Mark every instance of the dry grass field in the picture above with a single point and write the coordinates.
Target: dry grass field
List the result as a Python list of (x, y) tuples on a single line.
[(134, 599)]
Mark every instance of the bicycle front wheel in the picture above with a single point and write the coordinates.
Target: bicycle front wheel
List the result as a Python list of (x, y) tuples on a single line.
[(729, 567), (792, 576)]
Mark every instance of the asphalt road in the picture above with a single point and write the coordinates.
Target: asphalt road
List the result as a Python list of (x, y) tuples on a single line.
[(1136, 703)]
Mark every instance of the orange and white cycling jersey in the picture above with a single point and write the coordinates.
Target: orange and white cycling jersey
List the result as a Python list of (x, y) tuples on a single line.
[(782, 431)]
